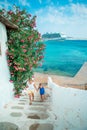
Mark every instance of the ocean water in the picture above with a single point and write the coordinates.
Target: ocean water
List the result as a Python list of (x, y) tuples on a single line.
[(64, 57)]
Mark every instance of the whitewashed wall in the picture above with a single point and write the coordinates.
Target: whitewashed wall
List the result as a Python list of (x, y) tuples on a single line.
[(6, 88), (69, 106)]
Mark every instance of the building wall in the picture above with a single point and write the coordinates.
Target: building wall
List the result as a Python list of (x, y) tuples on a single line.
[(6, 88)]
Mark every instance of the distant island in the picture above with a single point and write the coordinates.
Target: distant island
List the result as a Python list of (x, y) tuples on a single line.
[(52, 36), (59, 36)]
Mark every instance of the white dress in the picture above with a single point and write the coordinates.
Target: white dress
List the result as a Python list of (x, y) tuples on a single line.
[(30, 87)]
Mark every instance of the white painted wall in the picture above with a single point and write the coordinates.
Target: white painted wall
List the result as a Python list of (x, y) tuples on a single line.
[(69, 106), (6, 88)]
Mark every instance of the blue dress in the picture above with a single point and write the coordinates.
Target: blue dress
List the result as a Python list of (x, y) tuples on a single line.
[(42, 91)]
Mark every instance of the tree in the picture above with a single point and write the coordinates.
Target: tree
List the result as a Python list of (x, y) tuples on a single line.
[(25, 49)]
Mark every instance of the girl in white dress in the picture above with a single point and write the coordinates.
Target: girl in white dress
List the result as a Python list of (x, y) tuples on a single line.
[(31, 89)]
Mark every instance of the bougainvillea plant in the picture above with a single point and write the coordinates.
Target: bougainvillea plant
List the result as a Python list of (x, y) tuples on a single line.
[(25, 49)]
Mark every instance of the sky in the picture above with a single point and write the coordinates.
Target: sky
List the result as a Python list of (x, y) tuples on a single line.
[(68, 17)]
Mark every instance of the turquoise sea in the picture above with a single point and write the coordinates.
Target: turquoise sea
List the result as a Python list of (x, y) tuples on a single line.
[(64, 57)]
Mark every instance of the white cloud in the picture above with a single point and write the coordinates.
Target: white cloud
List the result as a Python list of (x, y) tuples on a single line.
[(70, 19), (24, 2), (79, 9)]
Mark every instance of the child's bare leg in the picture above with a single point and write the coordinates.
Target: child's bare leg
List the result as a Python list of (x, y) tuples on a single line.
[(30, 98), (43, 97)]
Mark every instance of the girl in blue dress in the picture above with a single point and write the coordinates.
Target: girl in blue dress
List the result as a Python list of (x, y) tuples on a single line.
[(42, 92)]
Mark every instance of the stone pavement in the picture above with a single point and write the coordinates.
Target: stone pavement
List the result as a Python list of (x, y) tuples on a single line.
[(19, 115)]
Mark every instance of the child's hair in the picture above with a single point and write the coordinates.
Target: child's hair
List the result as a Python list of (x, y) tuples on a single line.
[(30, 79), (40, 84)]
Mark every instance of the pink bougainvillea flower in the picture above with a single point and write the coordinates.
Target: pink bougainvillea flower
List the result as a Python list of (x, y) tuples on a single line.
[(15, 68), (17, 96), (41, 57), (8, 61), (9, 64), (22, 46), (10, 12), (11, 81), (22, 40), (24, 50), (7, 52), (24, 69)]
